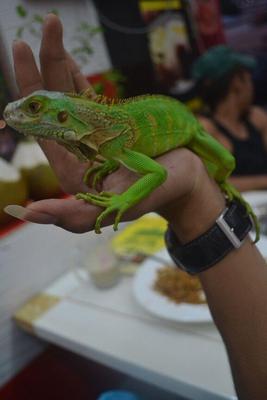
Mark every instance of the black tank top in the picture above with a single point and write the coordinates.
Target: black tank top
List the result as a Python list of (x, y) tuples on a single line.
[(250, 154)]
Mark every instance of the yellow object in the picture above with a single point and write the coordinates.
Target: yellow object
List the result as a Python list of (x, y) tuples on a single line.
[(13, 189), (145, 236), (42, 182), (159, 5), (35, 169), (35, 308), (195, 104)]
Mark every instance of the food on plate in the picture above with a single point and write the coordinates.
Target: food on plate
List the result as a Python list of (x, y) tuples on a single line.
[(178, 286)]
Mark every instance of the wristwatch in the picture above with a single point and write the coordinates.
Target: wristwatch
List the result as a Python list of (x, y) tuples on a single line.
[(227, 234)]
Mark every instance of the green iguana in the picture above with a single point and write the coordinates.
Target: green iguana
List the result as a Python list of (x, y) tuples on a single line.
[(129, 132)]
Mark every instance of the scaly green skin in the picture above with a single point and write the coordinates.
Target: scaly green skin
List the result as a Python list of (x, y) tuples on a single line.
[(131, 133)]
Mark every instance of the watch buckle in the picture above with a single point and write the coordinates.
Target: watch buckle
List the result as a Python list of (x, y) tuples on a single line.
[(228, 231)]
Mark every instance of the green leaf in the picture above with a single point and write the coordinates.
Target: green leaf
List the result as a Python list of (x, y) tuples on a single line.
[(84, 48), (99, 88), (38, 18), (32, 31), (19, 32), (83, 26), (96, 29), (76, 50), (89, 29), (115, 76), (21, 11), (54, 11), (35, 32)]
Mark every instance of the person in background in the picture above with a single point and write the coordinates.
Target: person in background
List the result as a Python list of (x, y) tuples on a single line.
[(224, 79), (235, 286)]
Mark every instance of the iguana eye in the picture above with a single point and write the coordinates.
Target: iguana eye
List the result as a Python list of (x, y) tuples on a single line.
[(34, 107), (62, 116)]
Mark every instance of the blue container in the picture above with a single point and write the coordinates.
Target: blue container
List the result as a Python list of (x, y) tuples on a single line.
[(118, 395)]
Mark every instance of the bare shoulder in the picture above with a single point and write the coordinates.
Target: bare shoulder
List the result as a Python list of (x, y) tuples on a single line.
[(259, 117), (207, 124), (211, 128)]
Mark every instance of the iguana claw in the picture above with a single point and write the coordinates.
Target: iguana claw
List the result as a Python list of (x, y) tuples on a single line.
[(110, 201), (231, 194)]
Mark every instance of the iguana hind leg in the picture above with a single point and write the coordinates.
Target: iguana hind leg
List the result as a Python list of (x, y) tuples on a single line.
[(232, 193), (220, 163), (153, 176)]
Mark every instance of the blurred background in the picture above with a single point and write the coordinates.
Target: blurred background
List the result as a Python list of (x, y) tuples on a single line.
[(125, 48)]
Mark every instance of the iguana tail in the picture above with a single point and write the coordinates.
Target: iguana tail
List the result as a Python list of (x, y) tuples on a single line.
[(233, 193)]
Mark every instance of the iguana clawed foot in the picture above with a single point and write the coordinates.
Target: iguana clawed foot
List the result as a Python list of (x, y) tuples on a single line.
[(100, 172), (111, 202), (232, 193)]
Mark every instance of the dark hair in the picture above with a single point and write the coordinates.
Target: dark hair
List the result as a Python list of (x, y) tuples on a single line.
[(213, 92)]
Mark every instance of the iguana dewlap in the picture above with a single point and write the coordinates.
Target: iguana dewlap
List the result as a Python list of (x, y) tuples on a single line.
[(130, 132)]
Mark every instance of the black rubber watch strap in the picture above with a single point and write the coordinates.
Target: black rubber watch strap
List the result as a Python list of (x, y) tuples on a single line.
[(211, 247)]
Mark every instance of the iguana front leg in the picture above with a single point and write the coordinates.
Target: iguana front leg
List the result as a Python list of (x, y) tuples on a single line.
[(100, 171), (153, 176)]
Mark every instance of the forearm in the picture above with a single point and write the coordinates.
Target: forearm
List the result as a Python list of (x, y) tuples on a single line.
[(249, 182), (236, 291)]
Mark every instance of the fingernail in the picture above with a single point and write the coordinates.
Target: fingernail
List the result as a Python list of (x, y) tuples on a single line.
[(49, 15), (26, 214)]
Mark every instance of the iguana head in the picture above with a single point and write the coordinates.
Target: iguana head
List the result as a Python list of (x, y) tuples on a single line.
[(49, 115)]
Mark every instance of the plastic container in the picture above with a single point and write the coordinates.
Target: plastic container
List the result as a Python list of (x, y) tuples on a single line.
[(98, 264)]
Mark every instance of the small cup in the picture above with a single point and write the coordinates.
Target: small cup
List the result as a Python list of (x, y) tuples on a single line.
[(101, 266)]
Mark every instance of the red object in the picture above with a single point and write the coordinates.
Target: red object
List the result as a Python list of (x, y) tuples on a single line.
[(61, 375), (11, 227), (54, 375), (209, 23), (108, 88)]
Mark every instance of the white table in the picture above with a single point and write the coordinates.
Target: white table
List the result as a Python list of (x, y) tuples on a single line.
[(111, 328), (186, 359)]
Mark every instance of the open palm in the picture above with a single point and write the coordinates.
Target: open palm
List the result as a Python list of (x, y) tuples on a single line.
[(58, 73)]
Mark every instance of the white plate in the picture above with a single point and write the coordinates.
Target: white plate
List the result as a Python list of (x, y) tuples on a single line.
[(256, 198), (160, 305), (262, 245)]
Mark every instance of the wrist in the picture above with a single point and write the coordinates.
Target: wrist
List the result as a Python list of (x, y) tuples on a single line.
[(197, 211)]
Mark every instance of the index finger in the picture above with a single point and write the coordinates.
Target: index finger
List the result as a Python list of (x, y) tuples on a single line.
[(79, 80), (54, 67), (27, 74)]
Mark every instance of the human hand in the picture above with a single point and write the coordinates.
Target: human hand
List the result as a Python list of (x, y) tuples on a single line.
[(58, 73), (179, 194)]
